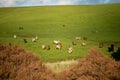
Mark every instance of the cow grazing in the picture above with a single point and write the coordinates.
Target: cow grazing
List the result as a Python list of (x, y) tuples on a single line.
[(20, 28), (101, 45), (83, 44), (78, 38), (15, 36), (58, 46), (33, 39), (25, 40), (64, 25), (111, 48), (45, 47), (56, 42), (84, 38), (95, 31), (74, 43), (10, 44), (70, 49), (36, 37)]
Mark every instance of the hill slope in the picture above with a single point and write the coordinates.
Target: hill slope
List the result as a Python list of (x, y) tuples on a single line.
[(63, 23)]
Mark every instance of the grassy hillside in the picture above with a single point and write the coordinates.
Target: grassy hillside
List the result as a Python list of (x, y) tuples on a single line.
[(62, 23)]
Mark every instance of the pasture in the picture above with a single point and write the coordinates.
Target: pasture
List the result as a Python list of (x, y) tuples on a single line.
[(99, 23)]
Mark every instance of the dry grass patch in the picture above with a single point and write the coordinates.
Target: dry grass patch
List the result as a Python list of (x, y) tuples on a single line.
[(60, 66)]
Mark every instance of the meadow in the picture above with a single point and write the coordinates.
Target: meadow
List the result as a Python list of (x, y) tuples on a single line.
[(62, 23)]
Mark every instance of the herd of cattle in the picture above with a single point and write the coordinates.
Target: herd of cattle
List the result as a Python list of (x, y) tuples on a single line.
[(58, 44)]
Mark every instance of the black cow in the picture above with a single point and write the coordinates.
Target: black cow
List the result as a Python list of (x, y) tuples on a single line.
[(20, 28), (25, 40), (84, 38), (111, 48)]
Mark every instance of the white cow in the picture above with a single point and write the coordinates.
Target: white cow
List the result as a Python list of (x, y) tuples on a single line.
[(36, 37), (43, 46), (15, 36), (78, 38), (56, 41), (33, 39), (83, 44), (70, 49), (58, 46)]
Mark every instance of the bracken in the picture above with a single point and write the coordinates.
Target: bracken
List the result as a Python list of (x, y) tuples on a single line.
[(18, 64), (95, 66)]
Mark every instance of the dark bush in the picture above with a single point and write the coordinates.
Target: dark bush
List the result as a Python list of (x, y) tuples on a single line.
[(116, 55)]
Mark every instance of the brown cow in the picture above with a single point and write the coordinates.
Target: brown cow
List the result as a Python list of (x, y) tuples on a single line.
[(101, 44), (74, 43), (46, 47)]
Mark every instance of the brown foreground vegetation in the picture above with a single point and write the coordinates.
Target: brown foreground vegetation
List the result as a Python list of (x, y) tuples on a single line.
[(18, 64), (95, 66)]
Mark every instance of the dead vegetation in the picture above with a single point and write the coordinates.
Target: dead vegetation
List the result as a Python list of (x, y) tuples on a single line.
[(95, 66), (18, 64)]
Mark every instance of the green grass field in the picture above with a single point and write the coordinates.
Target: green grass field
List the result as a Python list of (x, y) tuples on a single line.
[(47, 23)]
